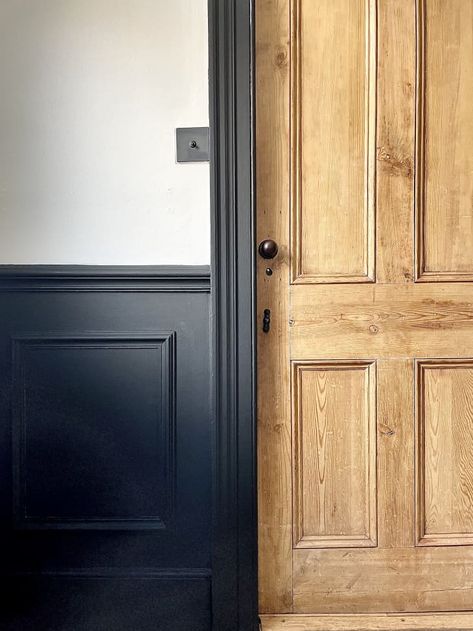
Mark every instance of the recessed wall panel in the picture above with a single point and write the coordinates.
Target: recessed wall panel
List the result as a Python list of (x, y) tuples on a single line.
[(93, 430)]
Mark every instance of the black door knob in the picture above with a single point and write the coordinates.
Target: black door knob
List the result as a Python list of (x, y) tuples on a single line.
[(268, 249)]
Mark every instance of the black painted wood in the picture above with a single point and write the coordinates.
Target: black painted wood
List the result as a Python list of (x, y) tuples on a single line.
[(187, 576), (235, 606), (57, 602), (125, 437), (105, 453), (178, 278)]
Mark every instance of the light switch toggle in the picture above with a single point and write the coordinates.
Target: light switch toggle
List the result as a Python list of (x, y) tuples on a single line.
[(192, 144)]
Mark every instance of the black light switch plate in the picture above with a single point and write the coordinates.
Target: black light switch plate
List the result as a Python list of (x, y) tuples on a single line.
[(192, 144)]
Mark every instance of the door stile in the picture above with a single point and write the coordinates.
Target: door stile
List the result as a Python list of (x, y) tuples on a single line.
[(273, 399)]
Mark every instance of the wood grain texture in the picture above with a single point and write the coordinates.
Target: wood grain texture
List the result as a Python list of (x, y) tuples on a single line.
[(274, 408), (387, 622), (445, 453), (370, 81), (395, 396), (444, 140), (333, 140), (335, 454), (372, 580), (396, 108), (382, 321)]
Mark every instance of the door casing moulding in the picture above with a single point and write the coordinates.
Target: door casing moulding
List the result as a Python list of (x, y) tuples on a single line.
[(231, 56)]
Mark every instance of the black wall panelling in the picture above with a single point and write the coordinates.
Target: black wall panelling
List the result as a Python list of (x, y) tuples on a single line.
[(164, 279), (124, 433), (194, 567), (105, 449)]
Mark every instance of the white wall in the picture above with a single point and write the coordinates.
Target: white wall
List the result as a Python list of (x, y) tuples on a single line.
[(91, 92)]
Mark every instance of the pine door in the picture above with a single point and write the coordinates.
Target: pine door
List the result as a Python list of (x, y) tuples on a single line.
[(365, 405)]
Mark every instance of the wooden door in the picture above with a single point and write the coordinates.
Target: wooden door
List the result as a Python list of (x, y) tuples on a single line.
[(365, 181)]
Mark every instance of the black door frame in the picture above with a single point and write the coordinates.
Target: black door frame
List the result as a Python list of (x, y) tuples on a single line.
[(231, 44)]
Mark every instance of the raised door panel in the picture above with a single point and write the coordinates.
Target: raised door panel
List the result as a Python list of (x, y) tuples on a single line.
[(333, 142), (445, 448), (334, 454), (444, 140)]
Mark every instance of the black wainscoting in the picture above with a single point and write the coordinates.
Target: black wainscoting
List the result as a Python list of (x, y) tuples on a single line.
[(105, 449)]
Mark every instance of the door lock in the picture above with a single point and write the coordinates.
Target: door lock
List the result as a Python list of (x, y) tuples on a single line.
[(266, 320)]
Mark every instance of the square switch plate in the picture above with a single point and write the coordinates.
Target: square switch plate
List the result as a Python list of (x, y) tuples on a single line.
[(192, 144)]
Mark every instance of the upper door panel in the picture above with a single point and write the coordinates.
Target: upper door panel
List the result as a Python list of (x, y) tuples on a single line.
[(333, 141)]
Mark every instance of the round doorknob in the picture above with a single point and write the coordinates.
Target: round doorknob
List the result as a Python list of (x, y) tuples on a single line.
[(268, 249)]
